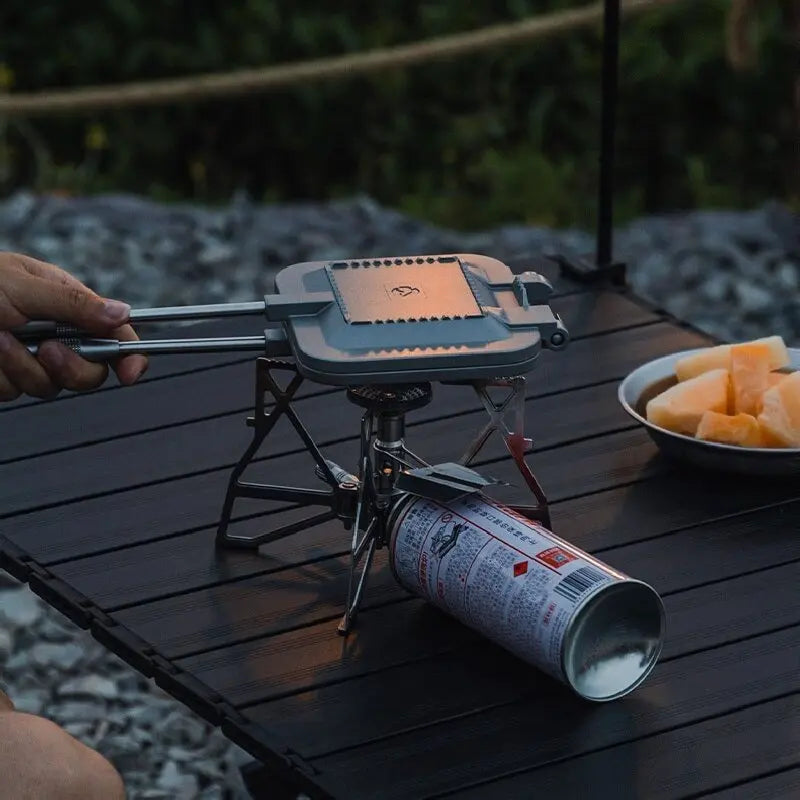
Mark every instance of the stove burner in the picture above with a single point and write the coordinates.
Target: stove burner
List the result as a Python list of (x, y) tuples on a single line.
[(391, 399)]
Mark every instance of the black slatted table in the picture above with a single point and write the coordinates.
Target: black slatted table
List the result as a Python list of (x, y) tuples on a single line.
[(108, 505)]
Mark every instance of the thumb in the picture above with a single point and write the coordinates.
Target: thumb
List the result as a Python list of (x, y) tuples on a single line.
[(71, 303)]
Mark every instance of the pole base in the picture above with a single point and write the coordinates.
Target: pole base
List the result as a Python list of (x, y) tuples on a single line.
[(585, 269)]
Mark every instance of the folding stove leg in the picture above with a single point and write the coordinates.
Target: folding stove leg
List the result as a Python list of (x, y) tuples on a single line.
[(516, 442), (263, 422), (368, 542), (369, 539)]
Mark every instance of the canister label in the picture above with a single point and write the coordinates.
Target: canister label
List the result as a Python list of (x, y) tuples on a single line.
[(497, 572)]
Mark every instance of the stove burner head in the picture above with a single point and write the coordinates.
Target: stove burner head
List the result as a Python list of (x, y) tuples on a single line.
[(391, 399)]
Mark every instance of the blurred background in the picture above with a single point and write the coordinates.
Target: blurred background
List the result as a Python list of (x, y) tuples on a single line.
[(708, 116)]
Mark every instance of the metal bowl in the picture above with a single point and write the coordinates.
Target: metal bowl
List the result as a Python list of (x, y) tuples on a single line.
[(653, 378)]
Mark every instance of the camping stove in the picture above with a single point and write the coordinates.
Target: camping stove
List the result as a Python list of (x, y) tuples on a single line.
[(384, 330)]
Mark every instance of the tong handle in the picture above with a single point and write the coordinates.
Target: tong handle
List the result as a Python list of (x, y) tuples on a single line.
[(48, 329), (98, 350), (271, 343), (167, 314), (45, 329)]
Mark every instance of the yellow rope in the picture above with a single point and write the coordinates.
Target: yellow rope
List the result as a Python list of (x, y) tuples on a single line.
[(741, 52), (203, 87)]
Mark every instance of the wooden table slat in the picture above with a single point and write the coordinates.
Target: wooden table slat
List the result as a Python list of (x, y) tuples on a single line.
[(256, 669), (783, 785), (470, 673), (679, 763), (220, 616), (678, 693), (183, 562)]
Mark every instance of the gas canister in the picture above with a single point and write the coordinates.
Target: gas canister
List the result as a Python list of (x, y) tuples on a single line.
[(512, 580)]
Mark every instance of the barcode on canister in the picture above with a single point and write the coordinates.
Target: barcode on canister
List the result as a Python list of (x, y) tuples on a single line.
[(576, 583)]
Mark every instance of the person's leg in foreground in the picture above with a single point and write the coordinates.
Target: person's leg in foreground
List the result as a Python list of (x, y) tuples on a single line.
[(40, 761)]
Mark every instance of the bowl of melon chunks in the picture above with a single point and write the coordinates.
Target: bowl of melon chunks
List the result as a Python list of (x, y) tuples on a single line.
[(733, 407)]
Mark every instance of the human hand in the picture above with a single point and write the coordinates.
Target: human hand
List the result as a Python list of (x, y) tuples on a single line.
[(5, 702), (31, 289)]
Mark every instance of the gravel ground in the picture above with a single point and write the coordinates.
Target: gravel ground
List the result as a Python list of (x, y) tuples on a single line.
[(734, 274)]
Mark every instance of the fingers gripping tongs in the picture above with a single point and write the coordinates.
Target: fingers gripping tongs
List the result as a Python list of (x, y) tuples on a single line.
[(272, 342)]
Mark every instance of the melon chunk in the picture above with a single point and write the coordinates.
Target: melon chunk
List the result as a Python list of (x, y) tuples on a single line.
[(681, 407), (719, 357), (778, 352), (749, 375), (774, 378), (738, 429), (705, 360), (780, 413)]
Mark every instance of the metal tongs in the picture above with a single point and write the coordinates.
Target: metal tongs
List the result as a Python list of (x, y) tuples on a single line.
[(272, 342)]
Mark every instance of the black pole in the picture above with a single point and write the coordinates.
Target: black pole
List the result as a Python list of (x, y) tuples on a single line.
[(608, 121)]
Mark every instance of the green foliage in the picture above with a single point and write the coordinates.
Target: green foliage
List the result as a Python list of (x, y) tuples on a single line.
[(507, 135)]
